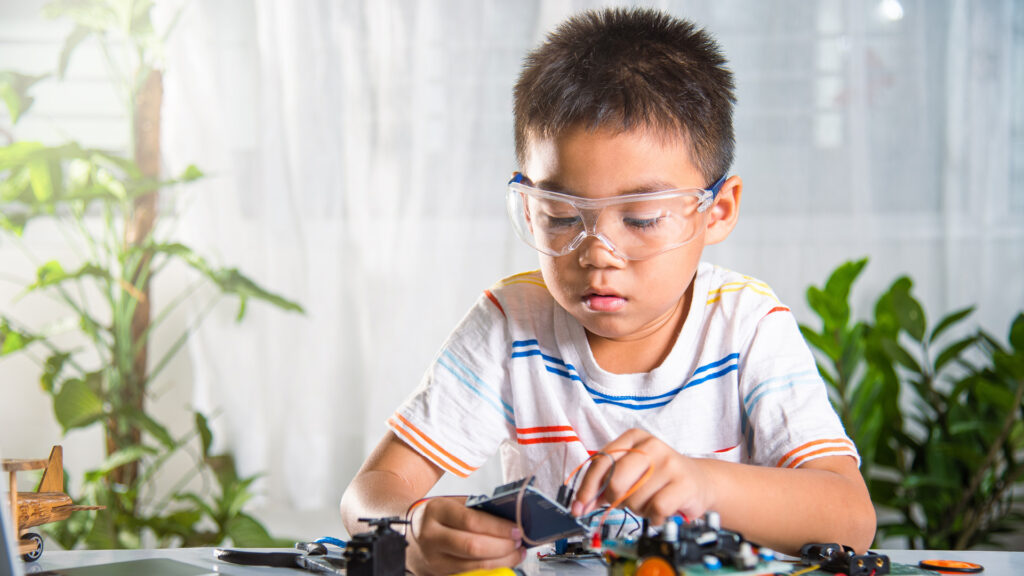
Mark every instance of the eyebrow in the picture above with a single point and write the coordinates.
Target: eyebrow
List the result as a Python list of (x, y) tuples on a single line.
[(647, 187)]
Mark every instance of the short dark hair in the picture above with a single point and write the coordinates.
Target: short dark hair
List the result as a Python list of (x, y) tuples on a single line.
[(628, 69)]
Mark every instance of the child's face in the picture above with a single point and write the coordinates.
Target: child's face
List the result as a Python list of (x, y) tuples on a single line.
[(613, 298)]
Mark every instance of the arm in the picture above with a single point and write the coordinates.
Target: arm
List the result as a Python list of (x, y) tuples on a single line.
[(825, 500), (446, 537)]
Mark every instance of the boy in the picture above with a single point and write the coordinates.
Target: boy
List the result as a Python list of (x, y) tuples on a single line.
[(693, 378)]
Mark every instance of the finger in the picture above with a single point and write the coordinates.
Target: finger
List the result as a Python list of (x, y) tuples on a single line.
[(441, 539), (458, 517), (589, 490), (590, 485)]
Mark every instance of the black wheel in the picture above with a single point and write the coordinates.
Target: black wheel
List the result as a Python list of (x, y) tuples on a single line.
[(35, 554)]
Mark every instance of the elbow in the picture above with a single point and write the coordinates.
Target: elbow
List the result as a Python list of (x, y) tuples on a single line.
[(861, 527), (349, 509)]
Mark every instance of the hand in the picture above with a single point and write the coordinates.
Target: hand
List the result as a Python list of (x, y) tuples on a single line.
[(447, 537), (663, 482)]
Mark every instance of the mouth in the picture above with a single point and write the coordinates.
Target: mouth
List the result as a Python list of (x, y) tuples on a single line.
[(602, 300)]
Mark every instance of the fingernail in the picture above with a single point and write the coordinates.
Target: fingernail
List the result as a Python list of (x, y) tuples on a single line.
[(517, 534), (577, 508)]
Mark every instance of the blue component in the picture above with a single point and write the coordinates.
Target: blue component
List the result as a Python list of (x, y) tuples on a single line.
[(712, 562), (678, 520), (766, 554), (561, 546), (331, 541)]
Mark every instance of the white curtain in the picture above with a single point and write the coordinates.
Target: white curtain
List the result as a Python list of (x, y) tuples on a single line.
[(357, 152)]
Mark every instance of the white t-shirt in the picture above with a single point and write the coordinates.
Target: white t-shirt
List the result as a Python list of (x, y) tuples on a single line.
[(517, 377)]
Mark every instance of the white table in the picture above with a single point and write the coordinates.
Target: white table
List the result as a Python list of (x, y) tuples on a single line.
[(995, 563)]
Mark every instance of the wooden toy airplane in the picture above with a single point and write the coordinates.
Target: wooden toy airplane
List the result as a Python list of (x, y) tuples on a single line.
[(47, 504)]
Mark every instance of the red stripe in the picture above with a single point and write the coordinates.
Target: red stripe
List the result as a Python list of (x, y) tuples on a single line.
[(544, 429), (496, 303), (549, 440), (776, 309), (719, 451)]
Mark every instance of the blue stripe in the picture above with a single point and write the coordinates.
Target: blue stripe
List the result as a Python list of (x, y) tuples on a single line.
[(633, 406), (692, 383), (538, 353), (779, 388), (476, 390), (733, 356), (572, 374), (482, 384), (793, 376)]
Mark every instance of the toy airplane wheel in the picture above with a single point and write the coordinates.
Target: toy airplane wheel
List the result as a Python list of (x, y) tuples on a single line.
[(35, 554)]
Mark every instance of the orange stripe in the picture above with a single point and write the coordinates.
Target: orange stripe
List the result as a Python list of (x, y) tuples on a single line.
[(544, 429), (837, 449), (410, 439), (548, 440), (435, 444), (496, 303), (719, 451), (809, 444), (777, 309)]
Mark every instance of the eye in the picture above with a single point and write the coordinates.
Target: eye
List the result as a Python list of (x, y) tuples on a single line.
[(561, 221), (642, 223)]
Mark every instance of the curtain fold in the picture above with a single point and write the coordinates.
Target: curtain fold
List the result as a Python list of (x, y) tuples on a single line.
[(357, 153)]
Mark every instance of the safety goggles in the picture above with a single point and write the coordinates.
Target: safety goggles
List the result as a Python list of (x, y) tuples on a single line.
[(631, 226)]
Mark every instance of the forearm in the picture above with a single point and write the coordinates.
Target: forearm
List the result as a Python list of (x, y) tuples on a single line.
[(787, 508), (375, 494)]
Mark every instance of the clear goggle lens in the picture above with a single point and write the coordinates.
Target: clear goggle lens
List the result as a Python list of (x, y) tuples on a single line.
[(633, 227)]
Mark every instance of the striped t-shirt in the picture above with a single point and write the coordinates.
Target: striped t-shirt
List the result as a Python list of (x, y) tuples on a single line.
[(517, 377)]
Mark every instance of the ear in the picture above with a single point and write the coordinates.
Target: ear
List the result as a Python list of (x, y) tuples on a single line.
[(725, 211)]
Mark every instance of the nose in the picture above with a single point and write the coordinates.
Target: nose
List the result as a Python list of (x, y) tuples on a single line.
[(597, 252)]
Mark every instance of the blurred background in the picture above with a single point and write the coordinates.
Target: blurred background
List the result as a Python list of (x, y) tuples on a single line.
[(355, 154)]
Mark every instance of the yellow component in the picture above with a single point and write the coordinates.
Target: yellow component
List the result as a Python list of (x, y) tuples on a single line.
[(492, 572), (654, 566)]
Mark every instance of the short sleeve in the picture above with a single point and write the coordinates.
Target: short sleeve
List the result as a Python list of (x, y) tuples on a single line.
[(462, 410), (788, 419)]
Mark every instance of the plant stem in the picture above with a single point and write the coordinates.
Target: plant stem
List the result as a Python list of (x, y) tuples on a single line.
[(990, 458)]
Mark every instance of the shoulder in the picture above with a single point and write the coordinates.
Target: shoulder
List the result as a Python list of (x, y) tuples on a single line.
[(735, 296), (520, 293)]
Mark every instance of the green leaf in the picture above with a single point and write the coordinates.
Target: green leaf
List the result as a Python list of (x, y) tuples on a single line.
[(97, 15), (229, 280), (126, 455), (52, 369), (205, 436), (198, 501), (42, 180), (191, 174), (900, 355), (12, 340), (14, 89), (827, 346), (825, 305), (247, 532), (949, 321), (839, 284), (1017, 333), (993, 393), (953, 351), (77, 36), (76, 405), (152, 427), (908, 310), (52, 273)]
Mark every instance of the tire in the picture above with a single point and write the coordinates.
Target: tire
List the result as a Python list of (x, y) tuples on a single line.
[(35, 554)]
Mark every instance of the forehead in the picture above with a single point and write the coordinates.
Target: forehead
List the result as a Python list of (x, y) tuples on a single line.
[(602, 162)]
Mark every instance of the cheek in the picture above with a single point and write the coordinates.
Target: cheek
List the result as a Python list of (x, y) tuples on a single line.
[(555, 273)]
